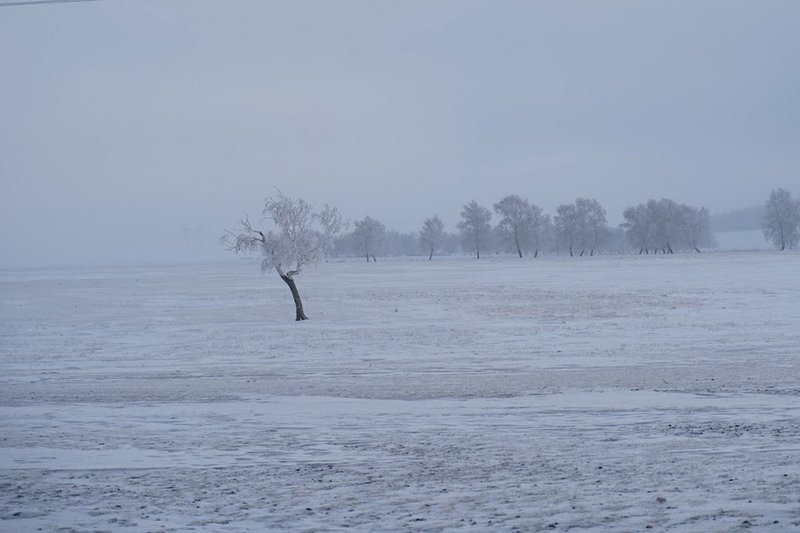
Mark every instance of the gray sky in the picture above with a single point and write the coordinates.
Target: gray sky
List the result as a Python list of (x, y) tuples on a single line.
[(128, 125)]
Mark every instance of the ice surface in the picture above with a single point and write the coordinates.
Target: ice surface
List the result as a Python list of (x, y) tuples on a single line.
[(583, 394)]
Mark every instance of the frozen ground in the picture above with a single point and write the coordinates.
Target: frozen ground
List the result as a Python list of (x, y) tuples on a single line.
[(553, 394)]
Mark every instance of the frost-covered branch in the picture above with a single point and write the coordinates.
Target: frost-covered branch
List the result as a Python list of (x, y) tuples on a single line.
[(247, 239)]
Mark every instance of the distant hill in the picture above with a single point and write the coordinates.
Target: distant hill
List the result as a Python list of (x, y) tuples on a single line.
[(746, 219)]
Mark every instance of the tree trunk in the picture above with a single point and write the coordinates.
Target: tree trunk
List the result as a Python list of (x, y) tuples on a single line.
[(431, 256), (536, 253), (300, 315), (373, 259)]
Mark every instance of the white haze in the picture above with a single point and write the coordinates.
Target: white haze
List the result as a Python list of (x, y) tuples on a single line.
[(134, 131)]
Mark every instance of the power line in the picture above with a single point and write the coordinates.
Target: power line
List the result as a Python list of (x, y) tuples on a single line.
[(39, 2)]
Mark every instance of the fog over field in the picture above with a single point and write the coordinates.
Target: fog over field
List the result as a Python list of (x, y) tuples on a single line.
[(134, 131), (399, 266)]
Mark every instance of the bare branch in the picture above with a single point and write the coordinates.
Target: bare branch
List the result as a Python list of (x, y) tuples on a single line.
[(246, 239)]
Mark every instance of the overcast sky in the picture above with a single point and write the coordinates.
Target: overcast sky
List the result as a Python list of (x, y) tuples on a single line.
[(127, 126)]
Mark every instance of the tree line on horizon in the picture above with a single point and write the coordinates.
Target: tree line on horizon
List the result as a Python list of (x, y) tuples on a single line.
[(302, 236), (577, 229), (523, 229)]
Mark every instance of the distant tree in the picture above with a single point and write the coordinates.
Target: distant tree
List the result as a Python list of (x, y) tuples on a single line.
[(475, 226), (331, 226), (667, 226), (519, 224), (514, 226), (667, 223), (300, 239), (697, 227), (581, 226), (637, 227), (431, 235), (546, 236), (369, 234), (591, 223), (566, 225), (782, 219)]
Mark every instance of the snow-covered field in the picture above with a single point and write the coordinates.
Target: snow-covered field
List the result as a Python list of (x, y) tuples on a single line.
[(551, 394)]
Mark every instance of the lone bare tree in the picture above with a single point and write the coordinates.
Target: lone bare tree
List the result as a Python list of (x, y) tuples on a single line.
[(431, 234), (782, 219), (474, 226), (300, 239)]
